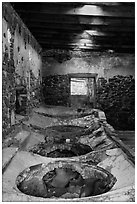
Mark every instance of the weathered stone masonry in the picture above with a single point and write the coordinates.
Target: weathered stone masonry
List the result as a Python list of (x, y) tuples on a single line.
[(116, 97), (105, 64), (56, 90), (21, 65), (115, 81)]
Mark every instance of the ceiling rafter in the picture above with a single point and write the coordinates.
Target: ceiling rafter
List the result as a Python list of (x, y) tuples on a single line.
[(81, 25)]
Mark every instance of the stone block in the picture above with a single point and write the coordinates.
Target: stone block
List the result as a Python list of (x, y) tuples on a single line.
[(7, 154), (21, 136), (101, 116)]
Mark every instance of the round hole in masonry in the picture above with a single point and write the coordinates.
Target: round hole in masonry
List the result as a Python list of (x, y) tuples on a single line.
[(61, 150), (70, 141), (58, 134), (62, 141), (61, 153), (65, 180)]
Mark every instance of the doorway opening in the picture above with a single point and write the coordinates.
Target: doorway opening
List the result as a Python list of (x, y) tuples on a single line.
[(83, 90)]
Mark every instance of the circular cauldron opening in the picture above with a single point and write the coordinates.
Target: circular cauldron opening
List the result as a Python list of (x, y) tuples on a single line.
[(64, 181), (59, 133), (58, 153), (61, 150), (62, 141)]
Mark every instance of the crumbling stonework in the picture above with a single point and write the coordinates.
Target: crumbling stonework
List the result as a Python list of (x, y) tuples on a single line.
[(105, 64), (117, 161), (56, 90), (116, 97), (21, 65), (117, 94), (37, 173)]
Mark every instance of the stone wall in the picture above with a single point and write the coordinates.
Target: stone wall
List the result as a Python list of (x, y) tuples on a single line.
[(105, 64), (21, 65), (56, 90), (117, 99)]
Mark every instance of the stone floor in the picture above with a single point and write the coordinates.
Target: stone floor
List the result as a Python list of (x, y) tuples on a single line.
[(16, 158)]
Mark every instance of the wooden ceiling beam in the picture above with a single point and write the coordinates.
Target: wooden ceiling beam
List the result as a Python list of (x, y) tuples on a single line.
[(84, 34), (86, 45), (82, 27), (97, 40), (93, 48), (91, 20), (53, 4), (86, 10), (95, 3), (67, 36)]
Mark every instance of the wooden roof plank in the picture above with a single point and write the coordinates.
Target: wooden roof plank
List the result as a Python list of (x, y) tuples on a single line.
[(87, 33), (74, 20), (99, 41), (87, 45), (76, 25), (81, 27), (86, 10)]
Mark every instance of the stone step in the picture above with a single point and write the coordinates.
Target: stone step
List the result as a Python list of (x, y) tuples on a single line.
[(21, 136), (10, 152), (7, 155)]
